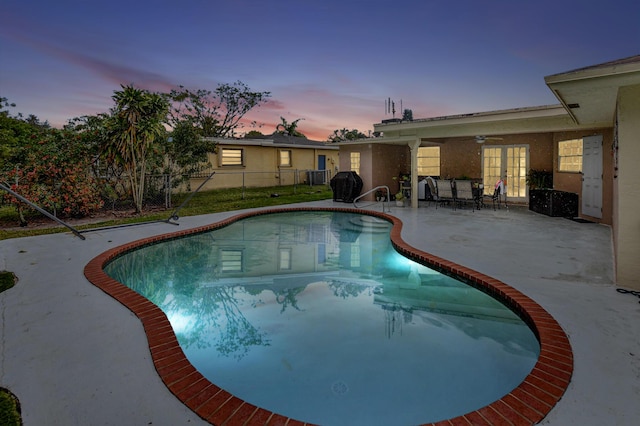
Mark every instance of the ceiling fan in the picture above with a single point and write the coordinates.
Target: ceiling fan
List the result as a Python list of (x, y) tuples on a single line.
[(482, 139)]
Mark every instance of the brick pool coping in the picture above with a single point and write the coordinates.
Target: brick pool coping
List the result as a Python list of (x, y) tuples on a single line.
[(527, 404)]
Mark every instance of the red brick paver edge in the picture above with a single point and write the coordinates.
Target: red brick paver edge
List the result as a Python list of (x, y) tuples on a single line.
[(527, 404)]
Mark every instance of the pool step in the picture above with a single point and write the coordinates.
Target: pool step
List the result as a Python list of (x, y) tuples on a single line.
[(370, 224)]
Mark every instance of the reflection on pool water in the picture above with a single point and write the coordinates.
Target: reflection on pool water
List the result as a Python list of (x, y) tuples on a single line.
[(315, 316)]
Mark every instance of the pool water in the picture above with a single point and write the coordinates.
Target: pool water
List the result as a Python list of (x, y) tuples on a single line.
[(315, 316)]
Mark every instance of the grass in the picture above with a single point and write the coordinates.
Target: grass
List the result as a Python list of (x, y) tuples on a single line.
[(213, 201), (7, 280), (9, 405), (9, 409)]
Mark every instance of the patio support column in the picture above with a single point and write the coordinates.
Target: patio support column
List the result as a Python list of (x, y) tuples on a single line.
[(413, 146)]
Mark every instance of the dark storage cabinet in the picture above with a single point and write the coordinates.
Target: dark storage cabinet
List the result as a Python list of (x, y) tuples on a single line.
[(553, 203)]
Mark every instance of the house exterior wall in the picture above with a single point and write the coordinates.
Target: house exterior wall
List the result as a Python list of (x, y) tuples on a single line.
[(572, 182), (389, 161), (462, 158), (366, 166), (379, 164), (541, 154), (261, 166), (626, 224)]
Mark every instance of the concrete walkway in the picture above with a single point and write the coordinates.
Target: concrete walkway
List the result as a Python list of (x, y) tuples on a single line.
[(74, 356)]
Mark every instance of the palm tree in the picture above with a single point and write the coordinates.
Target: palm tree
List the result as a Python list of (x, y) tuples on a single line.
[(139, 121)]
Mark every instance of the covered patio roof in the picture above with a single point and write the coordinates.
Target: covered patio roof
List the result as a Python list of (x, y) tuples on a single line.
[(491, 123), (589, 94)]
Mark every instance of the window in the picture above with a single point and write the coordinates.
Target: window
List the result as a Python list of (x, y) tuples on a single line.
[(285, 158), (355, 162), (429, 161), (285, 259), (570, 155), (231, 260), (231, 157), (355, 256)]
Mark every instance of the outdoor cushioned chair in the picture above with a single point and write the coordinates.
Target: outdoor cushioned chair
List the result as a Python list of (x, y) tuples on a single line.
[(464, 193), (445, 192), (433, 190)]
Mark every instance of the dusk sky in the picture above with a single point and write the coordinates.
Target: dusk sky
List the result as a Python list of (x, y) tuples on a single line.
[(330, 63)]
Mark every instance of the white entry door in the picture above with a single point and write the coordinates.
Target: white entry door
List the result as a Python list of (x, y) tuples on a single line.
[(592, 176)]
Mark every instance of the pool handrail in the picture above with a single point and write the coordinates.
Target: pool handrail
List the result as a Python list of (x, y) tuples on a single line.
[(385, 200), (174, 215)]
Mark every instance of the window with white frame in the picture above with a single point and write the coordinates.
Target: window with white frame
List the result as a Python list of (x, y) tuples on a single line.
[(231, 157), (570, 155), (355, 256), (284, 255), (355, 162), (231, 260), (285, 158), (429, 161)]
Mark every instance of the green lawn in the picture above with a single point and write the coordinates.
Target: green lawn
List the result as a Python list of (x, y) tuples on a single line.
[(202, 203), (7, 280), (9, 406), (9, 409)]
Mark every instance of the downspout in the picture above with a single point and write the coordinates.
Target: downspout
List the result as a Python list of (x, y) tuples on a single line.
[(413, 146)]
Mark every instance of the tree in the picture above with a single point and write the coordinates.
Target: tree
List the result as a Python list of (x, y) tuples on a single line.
[(289, 129), (198, 115), (407, 115), (253, 134), (138, 122), (13, 132), (345, 135), (50, 168), (185, 151), (217, 113), (47, 166), (95, 133)]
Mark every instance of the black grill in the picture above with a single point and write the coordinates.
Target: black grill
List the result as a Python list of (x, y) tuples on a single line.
[(346, 186)]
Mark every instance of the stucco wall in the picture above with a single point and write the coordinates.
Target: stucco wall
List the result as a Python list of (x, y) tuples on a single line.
[(541, 153), (462, 157), (627, 213), (389, 162), (379, 164), (572, 182), (261, 167)]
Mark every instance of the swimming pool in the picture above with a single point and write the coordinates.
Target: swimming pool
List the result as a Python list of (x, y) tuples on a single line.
[(405, 312)]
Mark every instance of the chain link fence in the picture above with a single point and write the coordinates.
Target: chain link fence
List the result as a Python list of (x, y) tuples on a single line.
[(169, 193), (162, 191)]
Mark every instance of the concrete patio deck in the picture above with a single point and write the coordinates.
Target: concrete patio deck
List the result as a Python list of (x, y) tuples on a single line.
[(75, 356)]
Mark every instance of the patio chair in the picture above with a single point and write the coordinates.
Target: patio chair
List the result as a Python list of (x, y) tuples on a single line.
[(478, 195), (432, 189), (445, 193), (498, 191), (464, 193)]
